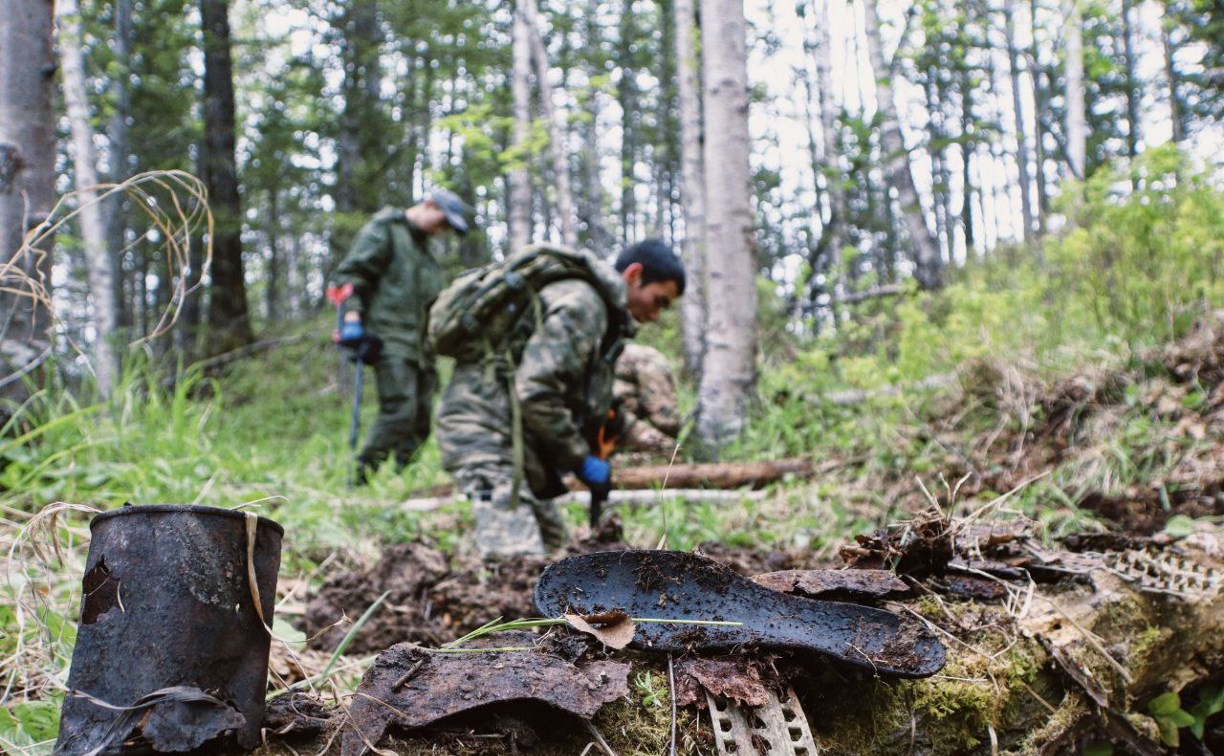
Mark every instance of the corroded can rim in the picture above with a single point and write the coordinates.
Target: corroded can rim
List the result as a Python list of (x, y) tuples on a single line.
[(128, 509)]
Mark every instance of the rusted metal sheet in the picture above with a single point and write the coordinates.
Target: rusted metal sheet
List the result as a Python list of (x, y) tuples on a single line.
[(409, 687), (835, 584)]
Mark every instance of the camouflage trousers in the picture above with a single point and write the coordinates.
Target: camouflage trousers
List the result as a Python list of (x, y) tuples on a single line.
[(405, 405), (534, 527)]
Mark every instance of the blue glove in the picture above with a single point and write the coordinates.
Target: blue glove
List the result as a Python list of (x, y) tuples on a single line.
[(594, 471), (351, 334)]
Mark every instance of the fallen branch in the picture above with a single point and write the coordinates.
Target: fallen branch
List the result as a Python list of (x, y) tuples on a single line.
[(718, 475), (630, 498)]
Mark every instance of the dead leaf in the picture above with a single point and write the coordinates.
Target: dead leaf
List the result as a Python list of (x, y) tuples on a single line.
[(614, 629)]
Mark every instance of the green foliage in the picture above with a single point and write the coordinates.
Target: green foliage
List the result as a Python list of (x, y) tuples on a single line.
[(1170, 716), (651, 689), (1210, 702)]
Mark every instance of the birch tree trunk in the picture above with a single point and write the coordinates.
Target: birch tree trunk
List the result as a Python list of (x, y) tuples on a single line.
[(1022, 153), (1077, 129), (897, 165), (728, 373), (518, 194), (1039, 103), (834, 232), (98, 260), (692, 186), (27, 187), (556, 135)]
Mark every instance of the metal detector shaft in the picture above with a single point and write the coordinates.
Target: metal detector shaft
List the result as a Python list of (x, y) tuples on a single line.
[(355, 423)]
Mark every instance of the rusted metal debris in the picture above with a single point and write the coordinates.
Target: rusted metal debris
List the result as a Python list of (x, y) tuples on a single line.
[(735, 678), (835, 585), (409, 687), (777, 726)]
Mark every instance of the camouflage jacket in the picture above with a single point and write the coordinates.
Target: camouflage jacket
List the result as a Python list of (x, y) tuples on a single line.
[(645, 394), (561, 367), (394, 278)]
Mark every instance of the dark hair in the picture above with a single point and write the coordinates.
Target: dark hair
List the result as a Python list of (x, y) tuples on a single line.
[(659, 262)]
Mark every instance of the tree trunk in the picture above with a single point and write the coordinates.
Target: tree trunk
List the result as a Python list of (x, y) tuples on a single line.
[(1134, 90), (98, 260), (118, 134), (518, 194), (627, 95), (228, 316), (597, 236), (728, 373), (1022, 154), (897, 165), (556, 135), (27, 187), (1176, 113), (692, 186), (833, 234), (1039, 102), (1077, 128)]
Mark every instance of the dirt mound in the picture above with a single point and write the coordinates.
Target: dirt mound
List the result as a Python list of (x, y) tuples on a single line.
[(1136, 444)]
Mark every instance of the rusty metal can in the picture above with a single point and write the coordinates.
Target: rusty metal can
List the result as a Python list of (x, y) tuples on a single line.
[(171, 652)]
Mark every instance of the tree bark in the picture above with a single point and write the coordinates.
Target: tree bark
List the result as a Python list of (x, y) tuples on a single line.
[(627, 95), (1022, 153), (897, 165), (833, 234), (692, 186), (1077, 128), (556, 134), (728, 372), (228, 315), (518, 194), (597, 236), (27, 187), (119, 136), (98, 260), (1176, 113), (1134, 90)]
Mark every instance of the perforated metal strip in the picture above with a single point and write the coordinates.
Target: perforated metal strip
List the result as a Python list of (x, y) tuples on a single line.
[(779, 727)]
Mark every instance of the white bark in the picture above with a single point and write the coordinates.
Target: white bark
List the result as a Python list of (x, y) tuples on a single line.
[(27, 185), (728, 374), (896, 158), (1022, 154), (556, 135), (518, 196), (692, 185), (99, 263), (1077, 123), (835, 237)]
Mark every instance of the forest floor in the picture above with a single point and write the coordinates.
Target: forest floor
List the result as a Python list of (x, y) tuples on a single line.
[(1126, 467)]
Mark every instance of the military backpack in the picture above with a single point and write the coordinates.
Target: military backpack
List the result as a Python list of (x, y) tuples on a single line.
[(475, 313)]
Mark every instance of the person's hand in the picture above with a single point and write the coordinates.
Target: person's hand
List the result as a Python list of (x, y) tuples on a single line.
[(596, 474), (352, 333)]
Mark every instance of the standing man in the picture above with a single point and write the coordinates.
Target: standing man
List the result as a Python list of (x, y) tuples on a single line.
[(383, 290), (542, 392)]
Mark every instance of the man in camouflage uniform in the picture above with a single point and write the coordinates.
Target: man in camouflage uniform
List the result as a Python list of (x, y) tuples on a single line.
[(384, 288), (553, 382), (645, 395)]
